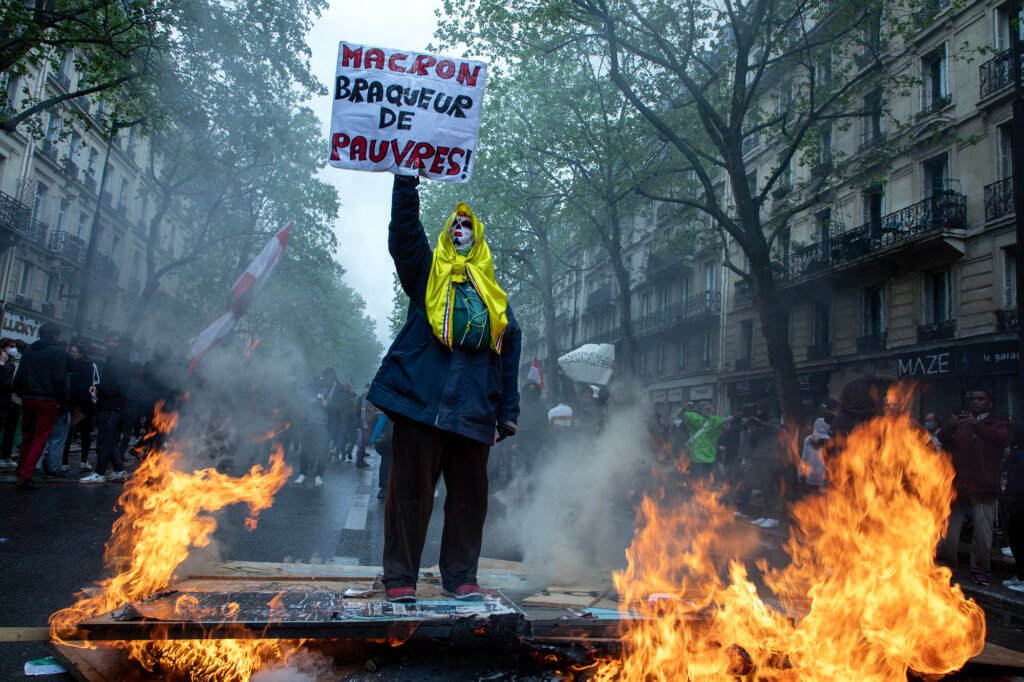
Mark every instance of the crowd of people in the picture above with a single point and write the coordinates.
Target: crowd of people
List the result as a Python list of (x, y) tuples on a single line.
[(52, 393)]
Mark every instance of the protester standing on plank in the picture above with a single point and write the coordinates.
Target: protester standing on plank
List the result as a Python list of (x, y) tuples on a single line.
[(449, 382)]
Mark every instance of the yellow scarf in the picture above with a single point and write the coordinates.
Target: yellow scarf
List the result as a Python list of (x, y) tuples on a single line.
[(449, 268)]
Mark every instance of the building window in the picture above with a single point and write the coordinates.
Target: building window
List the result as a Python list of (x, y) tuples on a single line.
[(825, 152), (82, 228), (746, 339), (27, 278), (823, 226), (663, 292), (874, 311), (62, 215), (938, 306), (681, 355), (1004, 150), (122, 195), (1009, 270), (873, 34), (661, 360), (874, 122), (707, 350), (821, 324), (935, 88), (935, 172), (823, 69), (872, 209), (645, 304), (39, 201), (1003, 23), (51, 288), (11, 87), (710, 276)]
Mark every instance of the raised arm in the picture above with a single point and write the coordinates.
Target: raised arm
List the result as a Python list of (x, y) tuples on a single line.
[(407, 242)]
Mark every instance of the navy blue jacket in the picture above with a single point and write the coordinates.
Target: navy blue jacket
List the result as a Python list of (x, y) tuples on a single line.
[(468, 392)]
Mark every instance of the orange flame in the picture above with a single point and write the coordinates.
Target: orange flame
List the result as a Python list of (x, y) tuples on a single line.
[(861, 598), (166, 513)]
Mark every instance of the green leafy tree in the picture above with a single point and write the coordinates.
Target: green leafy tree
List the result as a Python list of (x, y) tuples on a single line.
[(712, 80)]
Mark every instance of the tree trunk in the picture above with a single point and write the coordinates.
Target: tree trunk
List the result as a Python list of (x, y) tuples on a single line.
[(547, 298), (776, 333)]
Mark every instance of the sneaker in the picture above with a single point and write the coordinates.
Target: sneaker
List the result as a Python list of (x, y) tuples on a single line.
[(1019, 587), (300, 479), (362, 464), (980, 580), (52, 474), (8, 464), (770, 523), (381, 494), (758, 521), (93, 478), (318, 482), (401, 595), (1007, 552), (1013, 582), (64, 468), (27, 485), (117, 475), (739, 515), (85, 466), (468, 592)]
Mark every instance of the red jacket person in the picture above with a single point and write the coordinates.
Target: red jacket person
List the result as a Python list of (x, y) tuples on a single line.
[(449, 383)]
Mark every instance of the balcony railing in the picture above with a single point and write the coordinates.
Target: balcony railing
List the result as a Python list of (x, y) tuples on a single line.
[(63, 79), (67, 246), (935, 106), (35, 231), (819, 351), (106, 268), (996, 74), (806, 260), (944, 210), (999, 199), (742, 295), (48, 309), (70, 168), (14, 215), (704, 303), (870, 342), (89, 181), (1007, 320), (664, 265), (928, 10), (602, 296), (937, 331), (608, 336), (871, 141), (49, 150), (23, 301)]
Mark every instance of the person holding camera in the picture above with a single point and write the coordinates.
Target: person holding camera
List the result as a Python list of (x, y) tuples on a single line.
[(976, 439)]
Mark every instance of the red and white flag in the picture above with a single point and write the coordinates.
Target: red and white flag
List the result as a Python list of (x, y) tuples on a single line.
[(535, 374), (242, 295)]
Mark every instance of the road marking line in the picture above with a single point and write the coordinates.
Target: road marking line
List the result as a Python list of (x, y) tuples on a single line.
[(345, 561), (357, 512)]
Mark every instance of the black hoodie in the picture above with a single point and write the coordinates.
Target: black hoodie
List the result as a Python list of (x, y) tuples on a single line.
[(43, 373)]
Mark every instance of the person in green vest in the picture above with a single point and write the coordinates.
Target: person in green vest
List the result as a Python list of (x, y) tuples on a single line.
[(702, 445)]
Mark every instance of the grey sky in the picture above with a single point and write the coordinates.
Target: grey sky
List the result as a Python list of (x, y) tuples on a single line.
[(366, 197)]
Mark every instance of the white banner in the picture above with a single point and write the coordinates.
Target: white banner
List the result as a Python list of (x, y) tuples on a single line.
[(398, 111), (589, 364)]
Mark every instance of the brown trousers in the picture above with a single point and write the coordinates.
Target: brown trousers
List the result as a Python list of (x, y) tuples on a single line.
[(421, 455)]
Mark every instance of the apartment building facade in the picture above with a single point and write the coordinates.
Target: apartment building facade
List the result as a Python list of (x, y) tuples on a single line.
[(51, 200), (911, 277)]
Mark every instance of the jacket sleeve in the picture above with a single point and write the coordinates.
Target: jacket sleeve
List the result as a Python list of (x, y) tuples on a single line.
[(997, 433), (407, 242), (508, 404)]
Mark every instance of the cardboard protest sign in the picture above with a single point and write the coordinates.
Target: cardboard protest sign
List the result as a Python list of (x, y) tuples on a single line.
[(399, 111)]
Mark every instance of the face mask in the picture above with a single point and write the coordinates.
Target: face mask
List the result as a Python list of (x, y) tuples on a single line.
[(12, 353), (929, 426), (461, 233)]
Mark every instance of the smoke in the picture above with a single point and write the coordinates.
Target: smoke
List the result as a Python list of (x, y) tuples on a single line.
[(572, 518), (304, 665)]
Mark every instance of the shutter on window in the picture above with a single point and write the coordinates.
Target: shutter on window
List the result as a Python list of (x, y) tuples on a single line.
[(1009, 279)]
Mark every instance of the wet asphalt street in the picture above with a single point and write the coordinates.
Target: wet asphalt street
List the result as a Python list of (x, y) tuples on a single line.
[(51, 545)]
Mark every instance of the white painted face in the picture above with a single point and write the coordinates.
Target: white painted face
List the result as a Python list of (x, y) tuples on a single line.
[(461, 233)]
